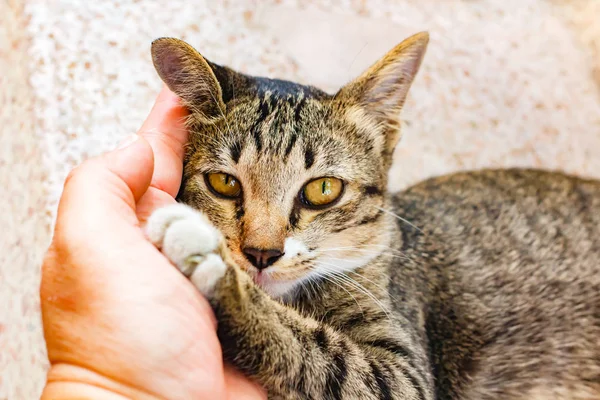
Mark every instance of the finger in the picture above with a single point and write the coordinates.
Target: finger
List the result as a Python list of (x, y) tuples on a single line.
[(165, 130), (97, 220)]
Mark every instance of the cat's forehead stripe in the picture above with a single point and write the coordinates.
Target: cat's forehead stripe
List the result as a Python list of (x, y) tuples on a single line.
[(278, 115), (290, 146), (236, 151), (264, 110), (309, 157), (299, 107)]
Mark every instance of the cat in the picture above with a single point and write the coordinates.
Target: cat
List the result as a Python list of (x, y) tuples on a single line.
[(475, 285)]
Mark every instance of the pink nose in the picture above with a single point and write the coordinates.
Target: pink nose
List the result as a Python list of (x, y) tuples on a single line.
[(261, 259)]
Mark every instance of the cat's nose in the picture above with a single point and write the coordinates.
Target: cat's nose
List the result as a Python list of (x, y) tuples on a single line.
[(261, 259)]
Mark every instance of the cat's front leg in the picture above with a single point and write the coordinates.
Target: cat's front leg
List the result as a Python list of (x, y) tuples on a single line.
[(292, 356)]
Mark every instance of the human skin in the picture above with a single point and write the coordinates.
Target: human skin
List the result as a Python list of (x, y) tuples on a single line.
[(120, 322)]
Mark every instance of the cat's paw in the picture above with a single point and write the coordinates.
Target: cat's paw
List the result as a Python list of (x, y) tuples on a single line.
[(188, 239)]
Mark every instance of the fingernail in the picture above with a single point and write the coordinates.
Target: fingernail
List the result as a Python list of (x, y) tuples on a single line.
[(129, 140)]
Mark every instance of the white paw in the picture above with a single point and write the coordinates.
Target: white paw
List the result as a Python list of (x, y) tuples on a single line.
[(188, 239)]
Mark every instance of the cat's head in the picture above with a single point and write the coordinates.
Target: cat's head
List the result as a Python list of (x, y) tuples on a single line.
[(293, 177)]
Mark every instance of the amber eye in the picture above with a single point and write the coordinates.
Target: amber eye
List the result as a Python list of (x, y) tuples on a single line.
[(224, 184), (321, 192)]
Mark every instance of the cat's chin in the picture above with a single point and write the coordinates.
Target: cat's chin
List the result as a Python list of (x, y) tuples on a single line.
[(274, 288)]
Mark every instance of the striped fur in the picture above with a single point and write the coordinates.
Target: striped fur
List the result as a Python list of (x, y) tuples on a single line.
[(481, 285)]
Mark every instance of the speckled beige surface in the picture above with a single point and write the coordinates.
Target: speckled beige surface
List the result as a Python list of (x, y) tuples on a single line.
[(23, 220), (504, 83)]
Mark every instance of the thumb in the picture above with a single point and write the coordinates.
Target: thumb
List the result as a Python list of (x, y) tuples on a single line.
[(100, 195), (133, 163)]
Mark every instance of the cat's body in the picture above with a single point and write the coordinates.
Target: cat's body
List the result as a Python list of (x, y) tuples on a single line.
[(507, 270), (481, 285)]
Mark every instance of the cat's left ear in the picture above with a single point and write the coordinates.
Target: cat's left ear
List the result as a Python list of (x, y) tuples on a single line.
[(203, 86), (381, 90)]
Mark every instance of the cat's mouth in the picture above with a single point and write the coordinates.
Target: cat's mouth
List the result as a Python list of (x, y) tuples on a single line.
[(284, 275), (262, 278), (269, 276), (273, 281)]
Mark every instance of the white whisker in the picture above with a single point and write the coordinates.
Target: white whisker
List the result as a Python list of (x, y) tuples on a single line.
[(338, 284), (399, 217), (368, 252), (354, 248), (340, 275)]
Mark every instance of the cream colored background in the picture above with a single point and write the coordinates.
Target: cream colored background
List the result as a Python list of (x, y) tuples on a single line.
[(513, 82)]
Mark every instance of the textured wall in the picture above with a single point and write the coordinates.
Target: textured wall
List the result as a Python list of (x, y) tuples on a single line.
[(505, 83), (24, 222)]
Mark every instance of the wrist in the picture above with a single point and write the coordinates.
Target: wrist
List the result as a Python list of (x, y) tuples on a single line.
[(69, 382)]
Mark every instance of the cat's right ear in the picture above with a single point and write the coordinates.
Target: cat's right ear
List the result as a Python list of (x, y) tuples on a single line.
[(381, 90), (190, 76)]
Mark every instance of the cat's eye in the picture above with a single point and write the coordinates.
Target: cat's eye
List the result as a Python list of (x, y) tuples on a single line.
[(224, 184), (321, 192)]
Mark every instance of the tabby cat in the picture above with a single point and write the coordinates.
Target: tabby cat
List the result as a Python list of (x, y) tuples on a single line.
[(477, 285)]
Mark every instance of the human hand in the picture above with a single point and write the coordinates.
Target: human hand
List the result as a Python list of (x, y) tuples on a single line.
[(119, 320)]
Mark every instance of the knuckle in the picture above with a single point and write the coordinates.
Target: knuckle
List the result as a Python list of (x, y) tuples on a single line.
[(75, 174), (91, 168)]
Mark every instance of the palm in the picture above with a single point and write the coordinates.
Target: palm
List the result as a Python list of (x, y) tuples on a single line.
[(112, 305)]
